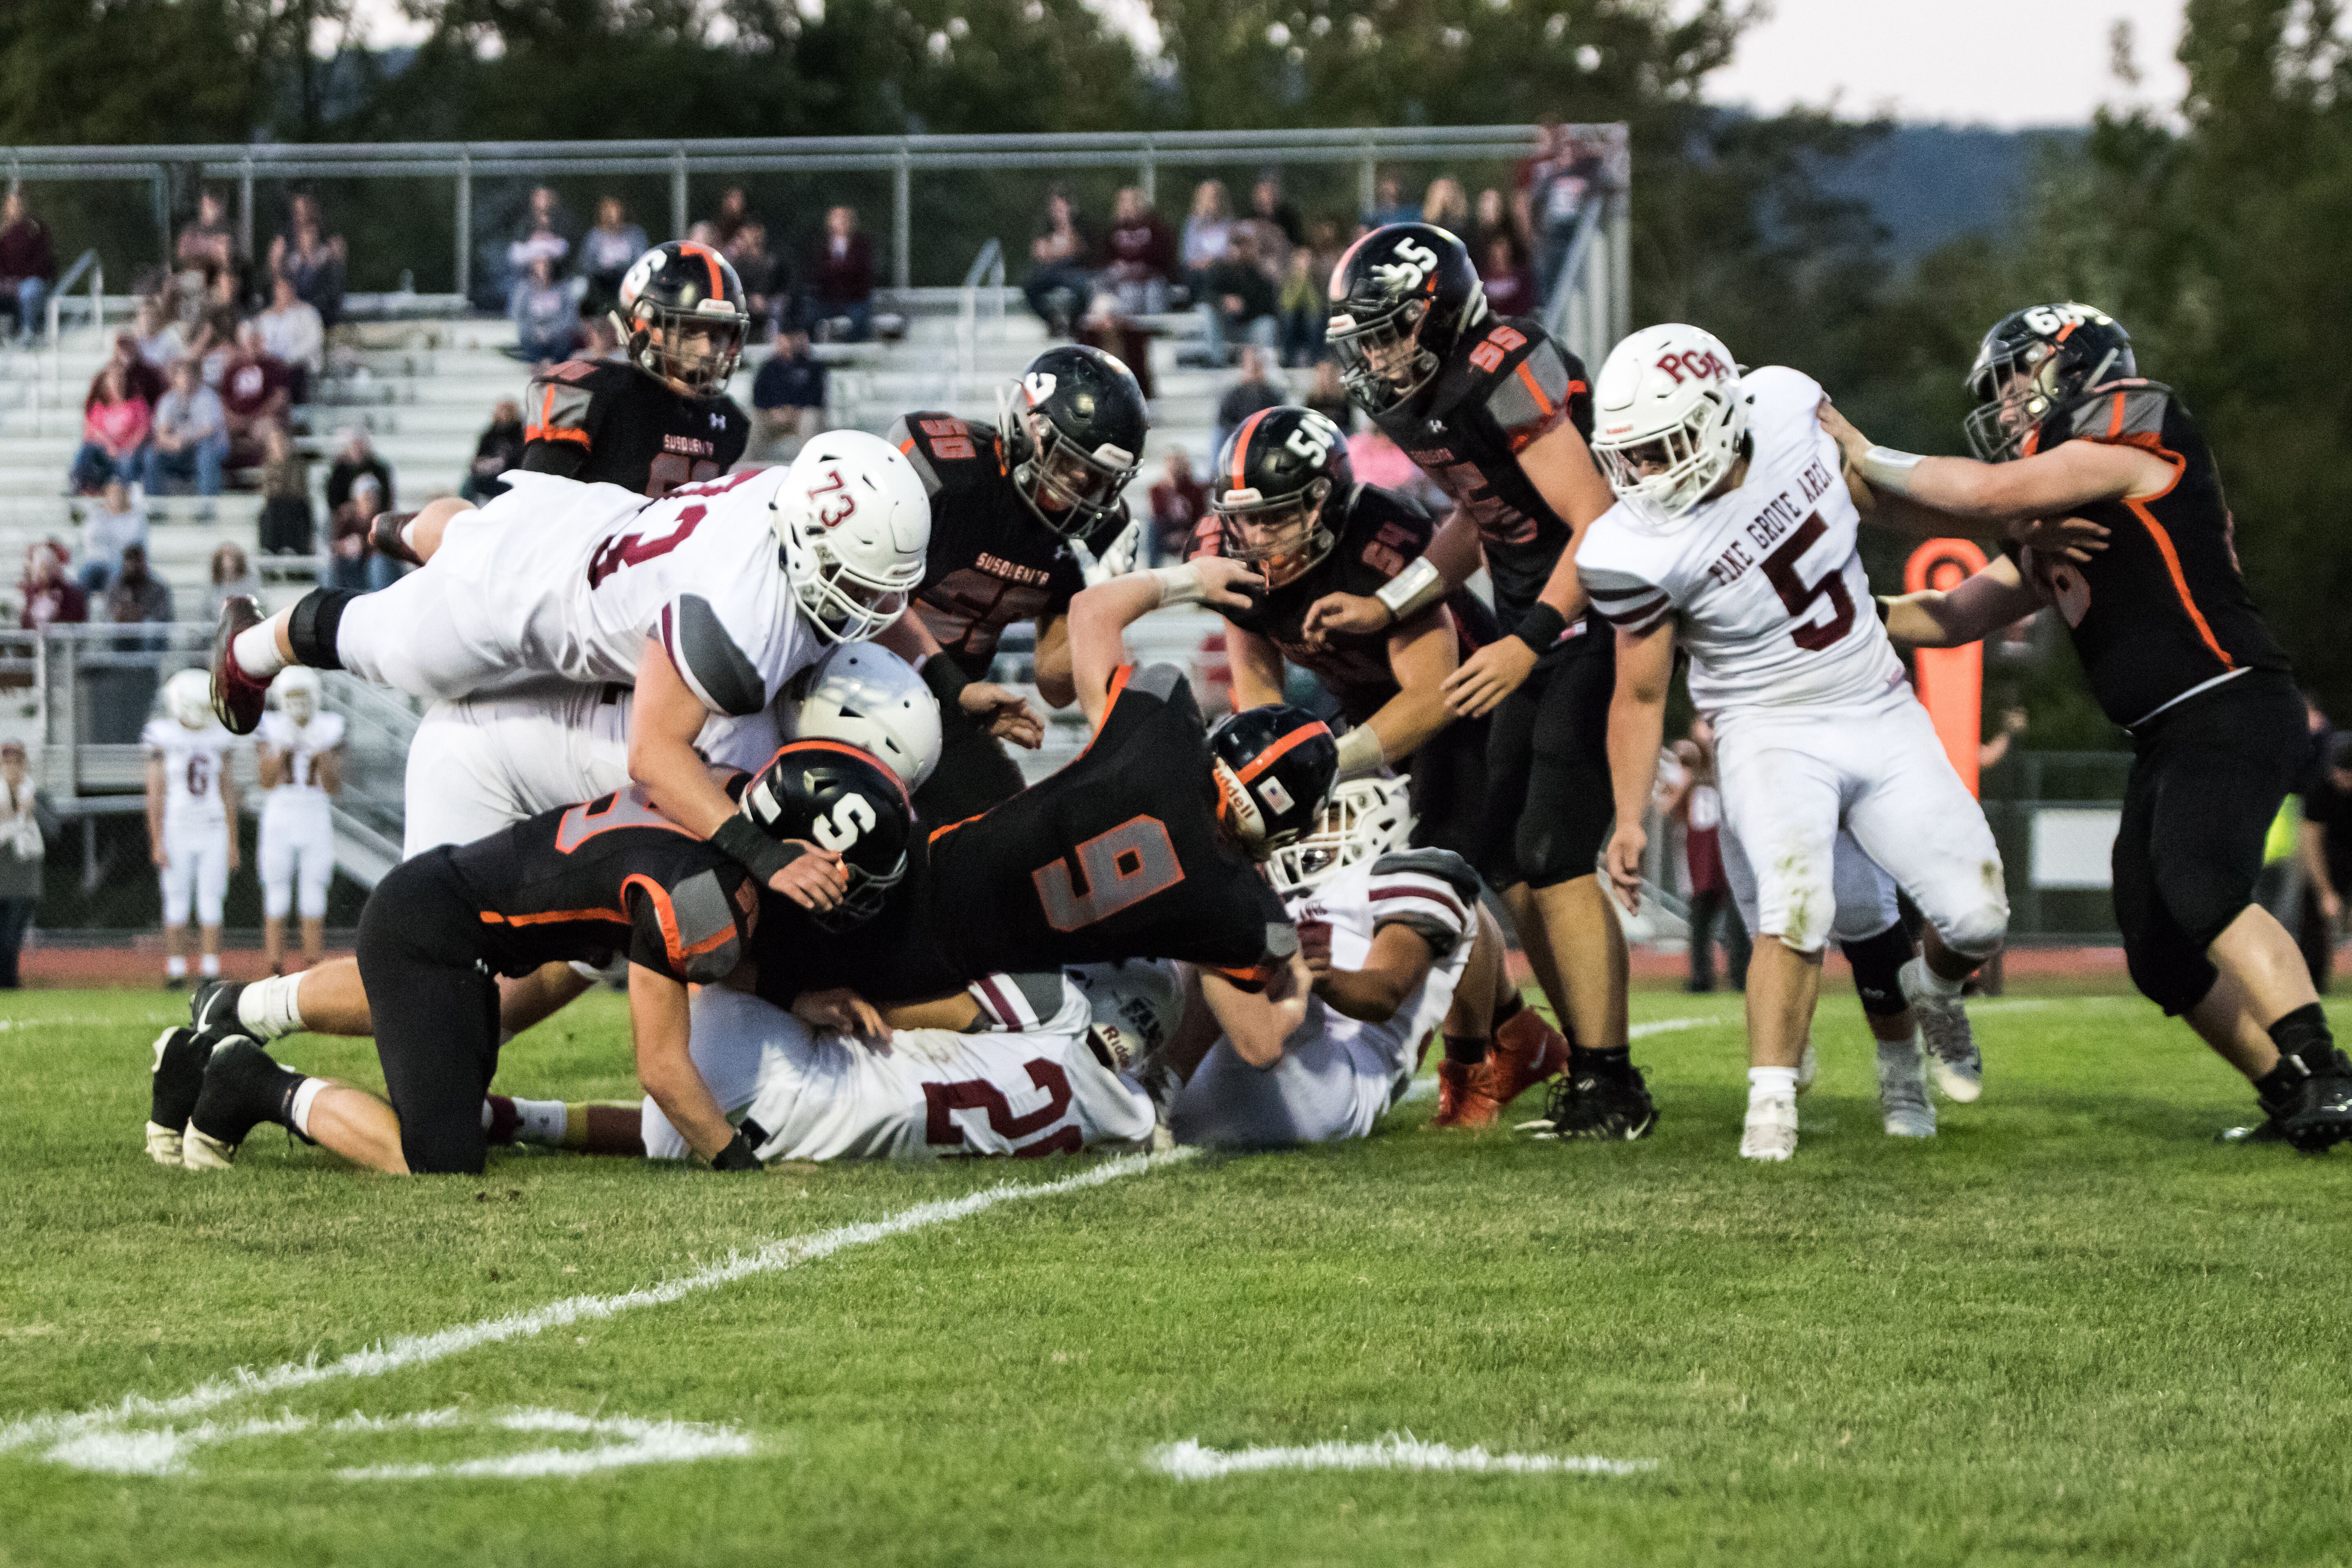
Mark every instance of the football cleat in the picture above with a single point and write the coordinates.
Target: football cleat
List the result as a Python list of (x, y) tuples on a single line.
[(1526, 1051), (1952, 1054), (1771, 1129), (213, 1009), (242, 1089), (1600, 1107), (1459, 1104), (1902, 1090), (179, 1079), (2315, 1113), (238, 698)]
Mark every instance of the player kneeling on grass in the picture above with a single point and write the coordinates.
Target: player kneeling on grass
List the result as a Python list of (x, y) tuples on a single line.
[(612, 875)]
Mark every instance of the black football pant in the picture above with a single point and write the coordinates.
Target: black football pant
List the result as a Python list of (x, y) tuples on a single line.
[(1549, 808), (1449, 789), (975, 772), (2207, 779), (436, 1008)]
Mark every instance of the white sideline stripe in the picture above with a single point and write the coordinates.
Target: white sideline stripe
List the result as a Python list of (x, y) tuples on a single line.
[(1189, 1461), (417, 1350), (77, 1020)]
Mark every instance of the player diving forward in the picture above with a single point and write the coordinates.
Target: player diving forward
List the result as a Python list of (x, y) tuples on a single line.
[(191, 820), (2175, 652), (301, 772), (1734, 534)]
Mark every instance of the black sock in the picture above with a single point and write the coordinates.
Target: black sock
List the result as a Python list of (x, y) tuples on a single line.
[(2304, 1035), (1510, 1008), (1467, 1049), (1609, 1061)]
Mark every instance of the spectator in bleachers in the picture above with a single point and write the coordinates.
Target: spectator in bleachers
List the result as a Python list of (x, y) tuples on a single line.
[(1246, 396), (1141, 255), (1329, 396), (1389, 204), (191, 438), (161, 342), (208, 244), (314, 265), (1560, 181), (49, 597), (546, 314), (1179, 502), (215, 338), (607, 252), (734, 212), (357, 459), (28, 263), (256, 389), (24, 817), (291, 330), (1107, 327), (1447, 206), (598, 340), (543, 233), (787, 399), (286, 527), (143, 379), (138, 597), (1208, 230), (1237, 300), (841, 283), (1303, 306), (767, 282), (1268, 204), (1510, 286), (231, 578), (1492, 216), (1061, 269), (353, 563), (499, 448), (115, 425), (108, 528)]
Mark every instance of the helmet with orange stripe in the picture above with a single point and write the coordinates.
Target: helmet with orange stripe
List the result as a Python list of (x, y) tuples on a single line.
[(2036, 362), (1074, 427), (681, 317), (1272, 489), (1401, 297), (844, 800), (1274, 766)]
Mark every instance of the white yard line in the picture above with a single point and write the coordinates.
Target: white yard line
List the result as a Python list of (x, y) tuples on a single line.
[(77, 1020), (1188, 1461), (60, 1430)]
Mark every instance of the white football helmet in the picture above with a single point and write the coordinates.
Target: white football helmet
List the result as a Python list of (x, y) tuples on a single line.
[(1668, 419), (188, 696), (854, 521), (1137, 1004), (297, 688), (1363, 820), (869, 697)]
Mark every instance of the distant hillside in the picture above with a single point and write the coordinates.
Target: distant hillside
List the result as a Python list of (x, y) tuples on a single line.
[(1931, 184)]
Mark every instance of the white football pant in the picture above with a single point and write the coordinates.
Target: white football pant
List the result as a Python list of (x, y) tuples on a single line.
[(298, 849), (1865, 894), (195, 871), (486, 763), (1328, 1086)]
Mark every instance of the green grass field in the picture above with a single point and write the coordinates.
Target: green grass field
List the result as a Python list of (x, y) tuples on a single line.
[(2073, 1328)]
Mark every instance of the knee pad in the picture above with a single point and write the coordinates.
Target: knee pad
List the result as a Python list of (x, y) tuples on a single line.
[(2174, 976), (317, 617), (1878, 964)]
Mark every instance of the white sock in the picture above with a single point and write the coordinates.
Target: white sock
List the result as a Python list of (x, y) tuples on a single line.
[(300, 1111), (176, 968), (257, 650), (209, 966), (268, 1007), (1935, 985), (1770, 1083), (538, 1121)]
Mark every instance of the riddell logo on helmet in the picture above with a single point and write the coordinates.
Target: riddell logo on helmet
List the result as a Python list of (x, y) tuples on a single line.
[(1695, 364), (830, 502)]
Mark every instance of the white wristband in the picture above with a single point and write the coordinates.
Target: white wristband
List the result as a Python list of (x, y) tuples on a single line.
[(1359, 753), (1413, 590), (1883, 468), (1180, 585)]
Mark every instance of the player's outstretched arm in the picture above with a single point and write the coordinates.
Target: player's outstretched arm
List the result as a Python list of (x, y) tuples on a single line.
[(1256, 666), (1992, 496), (1399, 962), (1453, 556), (1101, 614), (1055, 682), (1006, 714), (1258, 1023), (1637, 725), (664, 721), (1421, 654), (1953, 617), (658, 1018)]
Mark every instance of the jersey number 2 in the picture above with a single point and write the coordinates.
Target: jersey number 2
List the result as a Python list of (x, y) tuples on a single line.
[(1122, 868), (1800, 596), (940, 1128)]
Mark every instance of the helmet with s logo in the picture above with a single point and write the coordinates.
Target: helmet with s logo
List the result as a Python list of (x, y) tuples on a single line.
[(1074, 427), (1272, 491), (2035, 361), (844, 800), (1401, 297), (855, 523), (1669, 419)]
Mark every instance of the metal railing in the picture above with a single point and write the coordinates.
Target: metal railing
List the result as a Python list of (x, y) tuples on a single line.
[(1590, 305), (984, 291)]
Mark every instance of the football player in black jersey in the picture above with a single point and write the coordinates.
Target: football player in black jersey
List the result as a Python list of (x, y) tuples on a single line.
[(1497, 413), (663, 419), (579, 884), (1020, 509), (2141, 566)]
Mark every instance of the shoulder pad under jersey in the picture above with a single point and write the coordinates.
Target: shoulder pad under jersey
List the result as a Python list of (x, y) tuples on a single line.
[(1443, 864)]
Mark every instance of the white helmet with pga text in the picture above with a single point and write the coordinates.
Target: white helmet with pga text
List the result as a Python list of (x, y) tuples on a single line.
[(298, 687), (1669, 419), (854, 521), (869, 697)]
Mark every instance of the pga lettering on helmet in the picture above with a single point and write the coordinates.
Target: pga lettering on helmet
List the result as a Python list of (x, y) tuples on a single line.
[(1695, 364)]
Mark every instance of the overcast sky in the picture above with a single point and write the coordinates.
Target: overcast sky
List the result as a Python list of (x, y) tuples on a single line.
[(1985, 62)]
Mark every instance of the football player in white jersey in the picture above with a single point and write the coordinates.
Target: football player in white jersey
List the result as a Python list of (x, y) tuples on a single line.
[(191, 819), (1734, 535), (1393, 934), (301, 759)]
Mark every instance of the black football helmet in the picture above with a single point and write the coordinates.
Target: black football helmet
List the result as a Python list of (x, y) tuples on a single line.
[(1273, 487), (838, 798), (1401, 297), (1274, 766), (1074, 427), (681, 317), (2036, 362)]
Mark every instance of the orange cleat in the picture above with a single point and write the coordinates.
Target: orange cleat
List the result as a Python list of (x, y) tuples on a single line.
[(1525, 1052), (1461, 1099)]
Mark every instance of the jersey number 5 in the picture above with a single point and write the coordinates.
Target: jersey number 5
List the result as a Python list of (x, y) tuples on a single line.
[(1122, 868), (1800, 596)]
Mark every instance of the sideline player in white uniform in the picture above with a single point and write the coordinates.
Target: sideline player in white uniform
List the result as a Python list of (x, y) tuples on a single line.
[(301, 773), (1390, 933), (1734, 532), (191, 819)]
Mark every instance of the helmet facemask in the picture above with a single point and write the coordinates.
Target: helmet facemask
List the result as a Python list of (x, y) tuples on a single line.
[(1382, 360), (1669, 472), (1363, 820), (1285, 536), (693, 352), (1072, 491), (845, 604), (867, 896), (2018, 383)]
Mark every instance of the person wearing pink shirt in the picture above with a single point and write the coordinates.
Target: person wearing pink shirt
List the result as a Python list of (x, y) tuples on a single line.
[(114, 430)]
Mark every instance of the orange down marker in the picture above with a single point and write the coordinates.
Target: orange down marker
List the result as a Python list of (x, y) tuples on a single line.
[(1950, 680)]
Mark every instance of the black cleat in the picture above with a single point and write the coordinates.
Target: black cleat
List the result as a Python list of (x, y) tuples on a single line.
[(243, 1088), (1605, 1107), (213, 1009), (2313, 1113), (179, 1079)]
